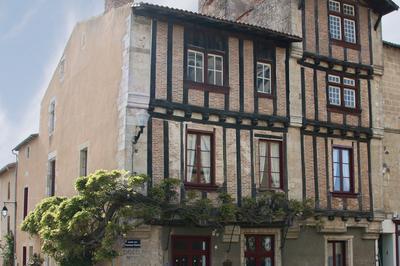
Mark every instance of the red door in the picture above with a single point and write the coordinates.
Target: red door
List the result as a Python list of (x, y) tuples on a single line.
[(190, 251), (259, 250)]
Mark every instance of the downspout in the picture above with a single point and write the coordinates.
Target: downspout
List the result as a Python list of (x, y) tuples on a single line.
[(15, 206)]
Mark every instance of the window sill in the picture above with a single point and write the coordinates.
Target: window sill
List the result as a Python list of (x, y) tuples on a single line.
[(205, 187), (344, 195), (354, 46), (264, 95), (207, 87), (343, 110)]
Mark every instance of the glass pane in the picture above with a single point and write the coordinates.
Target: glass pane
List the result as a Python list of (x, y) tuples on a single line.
[(205, 176), (218, 63), (346, 170), (346, 184), (335, 27), (250, 261), (199, 75), (264, 183), (211, 64), (348, 10), (335, 155), (336, 184), (218, 79), (276, 180), (275, 149), (199, 260), (181, 261), (345, 156), (191, 58), (267, 72), (250, 243), (267, 86), (191, 73), (350, 30), (260, 70), (211, 77), (199, 60), (266, 262), (334, 6), (330, 254), (336, 169), (205, 143), (266, 243), (339, 254), (275, 165), (205, 159), (263, 148)]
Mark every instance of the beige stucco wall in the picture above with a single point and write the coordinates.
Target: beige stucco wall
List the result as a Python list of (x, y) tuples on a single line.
[(7, 178)]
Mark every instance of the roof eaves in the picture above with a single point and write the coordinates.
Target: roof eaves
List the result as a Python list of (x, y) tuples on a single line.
[(25, 141), (7, 167), (391, 44), (153, 10)]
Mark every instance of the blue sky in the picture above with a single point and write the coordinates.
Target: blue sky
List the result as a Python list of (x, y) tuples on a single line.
[(32, 38)]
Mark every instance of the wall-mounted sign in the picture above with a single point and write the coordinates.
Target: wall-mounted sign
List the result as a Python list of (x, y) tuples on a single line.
[(132, 243)]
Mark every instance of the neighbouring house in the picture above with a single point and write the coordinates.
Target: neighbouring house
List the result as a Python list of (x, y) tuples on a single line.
[(298, 97)]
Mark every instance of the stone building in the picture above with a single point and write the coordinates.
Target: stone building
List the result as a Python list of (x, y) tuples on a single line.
[(249, 96)]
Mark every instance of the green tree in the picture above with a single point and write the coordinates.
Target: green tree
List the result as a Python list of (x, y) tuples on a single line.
[(85, 228), (7, 250)]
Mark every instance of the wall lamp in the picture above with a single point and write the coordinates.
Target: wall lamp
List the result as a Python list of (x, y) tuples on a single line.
[(4, 211), (141, 121)]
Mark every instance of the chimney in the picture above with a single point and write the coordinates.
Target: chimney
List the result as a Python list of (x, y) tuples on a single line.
[(110, 4)]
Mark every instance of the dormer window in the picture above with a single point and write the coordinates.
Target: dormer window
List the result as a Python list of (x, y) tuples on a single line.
[(342, 22)]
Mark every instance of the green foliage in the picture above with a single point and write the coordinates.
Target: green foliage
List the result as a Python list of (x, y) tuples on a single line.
[(35, 260), (84, 229), (7, 250)]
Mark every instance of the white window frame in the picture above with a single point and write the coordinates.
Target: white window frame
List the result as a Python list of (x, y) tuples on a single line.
[(263, 78), (340, 28), (194, 66), (352, 7), (215, 70), (335, 2), (353, 29), (354, 98), (329, 96)]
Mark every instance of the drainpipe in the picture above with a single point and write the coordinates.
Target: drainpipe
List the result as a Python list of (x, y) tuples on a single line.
[(15, 206)]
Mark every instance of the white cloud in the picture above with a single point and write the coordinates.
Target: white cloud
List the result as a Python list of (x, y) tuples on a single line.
[(23, 21)]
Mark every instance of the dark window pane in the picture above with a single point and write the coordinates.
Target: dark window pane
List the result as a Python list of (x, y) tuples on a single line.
[(250, 243), (251, 261)]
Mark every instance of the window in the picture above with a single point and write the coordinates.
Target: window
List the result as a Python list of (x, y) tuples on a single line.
[(28, 152), (270, 161), (83, 162), (199, 158), (342, 92), (51, 178), (342, 22), (259, 250), (336, 253), (188, 250), (263, 78), (24, 258), (8, 190), (342, 170), (26, 195), (52, 116), (8, 224), (195, 66), (215, 69)]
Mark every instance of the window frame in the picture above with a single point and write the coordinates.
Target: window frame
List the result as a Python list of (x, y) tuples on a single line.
[(342, 16), (271, 78), (344, 251), (198, 185), (281, 163), (205, 86), (259, 253), (342, 107), (343, 193)]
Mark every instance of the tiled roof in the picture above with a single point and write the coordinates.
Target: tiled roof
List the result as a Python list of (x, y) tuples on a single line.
[(163, 11), (383, 6), (391, 44)]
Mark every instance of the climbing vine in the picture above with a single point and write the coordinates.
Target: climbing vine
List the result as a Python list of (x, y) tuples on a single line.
[(7, 250), (84, 229)]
